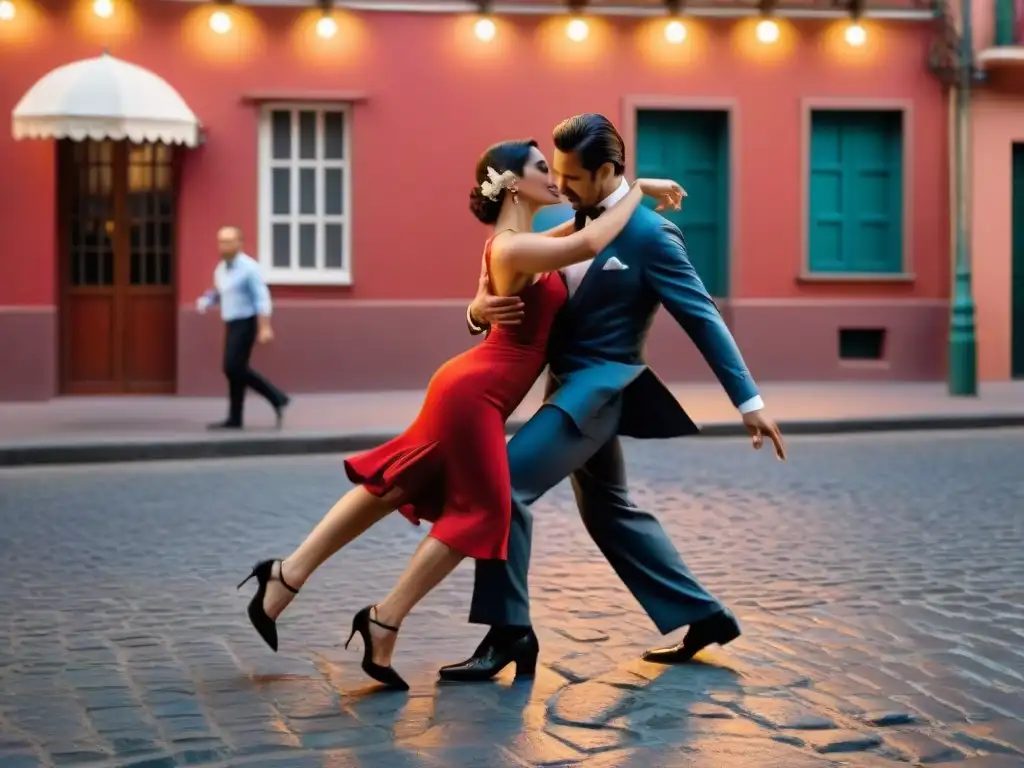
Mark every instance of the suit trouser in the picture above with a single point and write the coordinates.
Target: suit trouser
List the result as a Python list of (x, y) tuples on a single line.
[(239, 339), (548, 448)]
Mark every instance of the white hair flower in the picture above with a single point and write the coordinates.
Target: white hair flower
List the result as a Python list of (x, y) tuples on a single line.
[(496, 182)]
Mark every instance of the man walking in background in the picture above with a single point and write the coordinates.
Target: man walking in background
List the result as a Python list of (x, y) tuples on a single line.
[(245, 307)]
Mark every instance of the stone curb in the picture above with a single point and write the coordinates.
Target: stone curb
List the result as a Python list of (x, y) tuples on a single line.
[(162, 449)]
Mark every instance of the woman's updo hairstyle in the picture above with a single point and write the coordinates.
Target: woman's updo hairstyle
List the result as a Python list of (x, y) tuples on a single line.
[(506, 156)]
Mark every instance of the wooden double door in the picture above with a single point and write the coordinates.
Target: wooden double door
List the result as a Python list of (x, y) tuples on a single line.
[(117, 229)]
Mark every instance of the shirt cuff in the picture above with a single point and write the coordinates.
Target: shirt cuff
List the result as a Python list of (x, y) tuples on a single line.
[(469, 319), (753, 404)]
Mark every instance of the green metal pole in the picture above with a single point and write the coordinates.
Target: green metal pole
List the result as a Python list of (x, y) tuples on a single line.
[(963, 341)]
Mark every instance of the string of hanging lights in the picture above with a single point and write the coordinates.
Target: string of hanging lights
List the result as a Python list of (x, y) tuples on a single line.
[(326, 26), (675, 29), (577, 28), (220, 20), (485, 29), (767, 29), (855, 34)]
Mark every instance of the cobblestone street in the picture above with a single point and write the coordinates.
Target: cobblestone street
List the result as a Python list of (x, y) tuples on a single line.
[(879, 581)]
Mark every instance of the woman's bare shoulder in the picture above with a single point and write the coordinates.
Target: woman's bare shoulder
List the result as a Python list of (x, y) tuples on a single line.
[(500, 241)]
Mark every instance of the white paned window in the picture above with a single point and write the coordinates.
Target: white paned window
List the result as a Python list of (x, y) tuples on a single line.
[(304, 194)]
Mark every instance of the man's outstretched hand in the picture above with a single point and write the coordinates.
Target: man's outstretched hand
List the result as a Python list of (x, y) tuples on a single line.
[(760, 426), (492, 310)]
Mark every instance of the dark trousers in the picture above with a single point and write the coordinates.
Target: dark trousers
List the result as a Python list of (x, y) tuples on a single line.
[(239, 339), (549, 448)]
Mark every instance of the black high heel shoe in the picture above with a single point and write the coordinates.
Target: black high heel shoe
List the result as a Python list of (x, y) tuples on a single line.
[(263, 571), (385, 675)]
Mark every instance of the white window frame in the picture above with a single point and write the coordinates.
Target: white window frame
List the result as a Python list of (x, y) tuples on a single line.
[(295, 275)]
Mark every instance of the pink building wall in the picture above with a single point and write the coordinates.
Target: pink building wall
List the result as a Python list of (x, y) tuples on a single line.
[(997, 123), (431, 97)]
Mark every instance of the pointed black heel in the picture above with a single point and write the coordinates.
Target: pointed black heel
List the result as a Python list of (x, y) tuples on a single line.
[(384, 675), (263, 572)]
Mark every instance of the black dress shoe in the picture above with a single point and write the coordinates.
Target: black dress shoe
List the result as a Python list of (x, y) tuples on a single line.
[(720, 627), (219, 425), (499, 648), (279, 410)]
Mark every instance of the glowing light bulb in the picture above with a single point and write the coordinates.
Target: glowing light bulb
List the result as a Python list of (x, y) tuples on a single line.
[(220, 22), (485, 30), (675, 32), (7, 10), (856, 35), (326, 27), (767, 31), (103, 8), (577, 30)]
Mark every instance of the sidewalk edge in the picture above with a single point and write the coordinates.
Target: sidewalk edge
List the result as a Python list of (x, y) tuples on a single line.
[(13, 455)]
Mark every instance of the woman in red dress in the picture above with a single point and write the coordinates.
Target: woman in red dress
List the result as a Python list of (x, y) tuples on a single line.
[(450, 466)]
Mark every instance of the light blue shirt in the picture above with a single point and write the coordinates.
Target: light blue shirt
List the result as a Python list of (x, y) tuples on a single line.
[(240, 289)]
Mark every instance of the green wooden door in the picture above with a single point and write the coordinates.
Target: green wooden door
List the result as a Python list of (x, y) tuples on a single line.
[(1006, 22), (551, 216), (1017, 312), (692, 147), (855, 200)]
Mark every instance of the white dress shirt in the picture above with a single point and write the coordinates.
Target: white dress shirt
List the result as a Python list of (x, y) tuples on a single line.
[(574, 274)]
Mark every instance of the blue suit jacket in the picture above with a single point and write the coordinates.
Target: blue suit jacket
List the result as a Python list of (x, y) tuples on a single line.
[(596, 347), (596, 350)]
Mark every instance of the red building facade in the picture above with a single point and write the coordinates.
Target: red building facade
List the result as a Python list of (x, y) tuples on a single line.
[(817, 173)]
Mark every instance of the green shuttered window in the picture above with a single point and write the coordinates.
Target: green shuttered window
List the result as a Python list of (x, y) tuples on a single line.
[(1006, 22), (855, 195), (692, 147)]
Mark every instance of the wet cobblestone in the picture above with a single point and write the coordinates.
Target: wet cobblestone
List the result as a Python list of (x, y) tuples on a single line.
[(879, 579)]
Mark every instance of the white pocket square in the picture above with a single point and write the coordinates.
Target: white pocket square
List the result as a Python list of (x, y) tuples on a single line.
[(613, 263)]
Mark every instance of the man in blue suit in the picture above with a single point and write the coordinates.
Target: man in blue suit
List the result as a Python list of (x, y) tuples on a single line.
[(599, 388)]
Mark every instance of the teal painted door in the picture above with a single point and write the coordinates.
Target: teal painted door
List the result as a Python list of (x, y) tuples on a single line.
[(551, 216), (855, 196), (1006, 22), (1017, 329), (692, 147)]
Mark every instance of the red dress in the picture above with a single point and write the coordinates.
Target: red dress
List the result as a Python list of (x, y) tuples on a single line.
[(451, 463)]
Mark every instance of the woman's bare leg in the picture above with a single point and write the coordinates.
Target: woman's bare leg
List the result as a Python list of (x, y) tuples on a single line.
[(427, 568), (353, 514)]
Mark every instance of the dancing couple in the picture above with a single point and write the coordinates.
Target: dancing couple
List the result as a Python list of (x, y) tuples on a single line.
[(579, 298)]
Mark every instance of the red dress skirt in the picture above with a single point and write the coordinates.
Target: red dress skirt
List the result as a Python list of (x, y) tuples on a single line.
[(451, 464)]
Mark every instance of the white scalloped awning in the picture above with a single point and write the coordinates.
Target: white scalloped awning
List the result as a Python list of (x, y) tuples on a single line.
[(1009, 55), (104, 98)]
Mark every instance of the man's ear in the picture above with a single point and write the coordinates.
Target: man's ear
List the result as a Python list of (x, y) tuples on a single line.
[(604, 173)]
